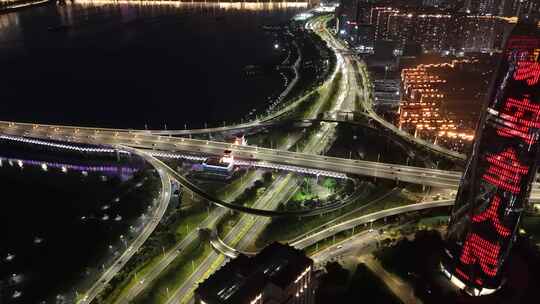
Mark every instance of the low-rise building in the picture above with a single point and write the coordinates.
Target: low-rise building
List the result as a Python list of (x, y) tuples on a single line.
[(279, 274)]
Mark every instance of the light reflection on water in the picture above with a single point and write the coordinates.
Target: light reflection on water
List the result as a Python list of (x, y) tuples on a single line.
[(11, 22), (237, 5), (101, 61), (63, 216), (125, 173)]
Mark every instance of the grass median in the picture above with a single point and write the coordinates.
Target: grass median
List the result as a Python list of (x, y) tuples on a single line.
[(287, 228), (177, 272), (182, 226)]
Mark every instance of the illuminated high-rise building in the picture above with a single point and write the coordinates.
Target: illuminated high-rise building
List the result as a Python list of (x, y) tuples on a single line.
[(426, 98), (487, 7), (362, 12), (428, 30), (496, 184), (379, 18), (477, 33), (519, 7), (484, 7), (433, 3), (366, 36), (439, 32)]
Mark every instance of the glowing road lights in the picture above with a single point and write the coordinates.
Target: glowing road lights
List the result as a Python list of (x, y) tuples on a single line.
[(302, 275), (421, 108), (258, 299), (55, 145)]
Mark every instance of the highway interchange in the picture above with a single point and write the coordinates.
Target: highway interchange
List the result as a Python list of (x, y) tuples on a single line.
[(248, 227), (145, 143), (416, 175), (326, 233)]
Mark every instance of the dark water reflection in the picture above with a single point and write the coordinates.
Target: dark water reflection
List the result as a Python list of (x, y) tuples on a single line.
[(62, 217), (127, 65)]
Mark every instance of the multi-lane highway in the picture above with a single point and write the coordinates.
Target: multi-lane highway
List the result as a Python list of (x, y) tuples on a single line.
[(415, 175), (145, 280), (243, 229), (248, 228), (130, 294), (368, 218), (328, 232), (430, 177), (133, 140)]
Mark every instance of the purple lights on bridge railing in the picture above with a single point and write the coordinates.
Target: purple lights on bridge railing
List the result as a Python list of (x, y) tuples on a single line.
[(249, 163), (58, 145), (123, 172)]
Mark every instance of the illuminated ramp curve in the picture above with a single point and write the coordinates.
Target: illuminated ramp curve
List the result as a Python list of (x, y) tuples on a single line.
[(372, 217), (202, 193), (329, 117), (119, 263), (219, 245)]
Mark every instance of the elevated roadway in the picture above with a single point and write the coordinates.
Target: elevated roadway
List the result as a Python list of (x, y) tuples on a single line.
[(147, 140), (316, 237), (424, 176), (409, 174), (368, 218)]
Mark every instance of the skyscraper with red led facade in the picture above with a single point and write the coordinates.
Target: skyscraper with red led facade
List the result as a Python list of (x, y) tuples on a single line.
[(496, 184)]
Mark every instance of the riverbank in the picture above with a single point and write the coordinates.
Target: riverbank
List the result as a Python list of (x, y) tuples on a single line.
[(148, 65), (66, 215), (12, 6)]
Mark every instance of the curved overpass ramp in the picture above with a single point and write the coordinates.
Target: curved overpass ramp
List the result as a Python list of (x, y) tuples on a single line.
[(372, 217), (121, 261), (260, 212), (220, 246)]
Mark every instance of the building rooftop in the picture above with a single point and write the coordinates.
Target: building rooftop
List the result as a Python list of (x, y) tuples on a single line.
[(243, 279), (216, 161)]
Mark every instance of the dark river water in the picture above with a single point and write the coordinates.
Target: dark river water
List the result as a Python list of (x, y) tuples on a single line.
[(112, 65), (120, 65), (62, 219)]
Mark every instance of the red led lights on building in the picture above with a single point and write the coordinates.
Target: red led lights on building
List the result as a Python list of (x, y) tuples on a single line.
[(495, 187)]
